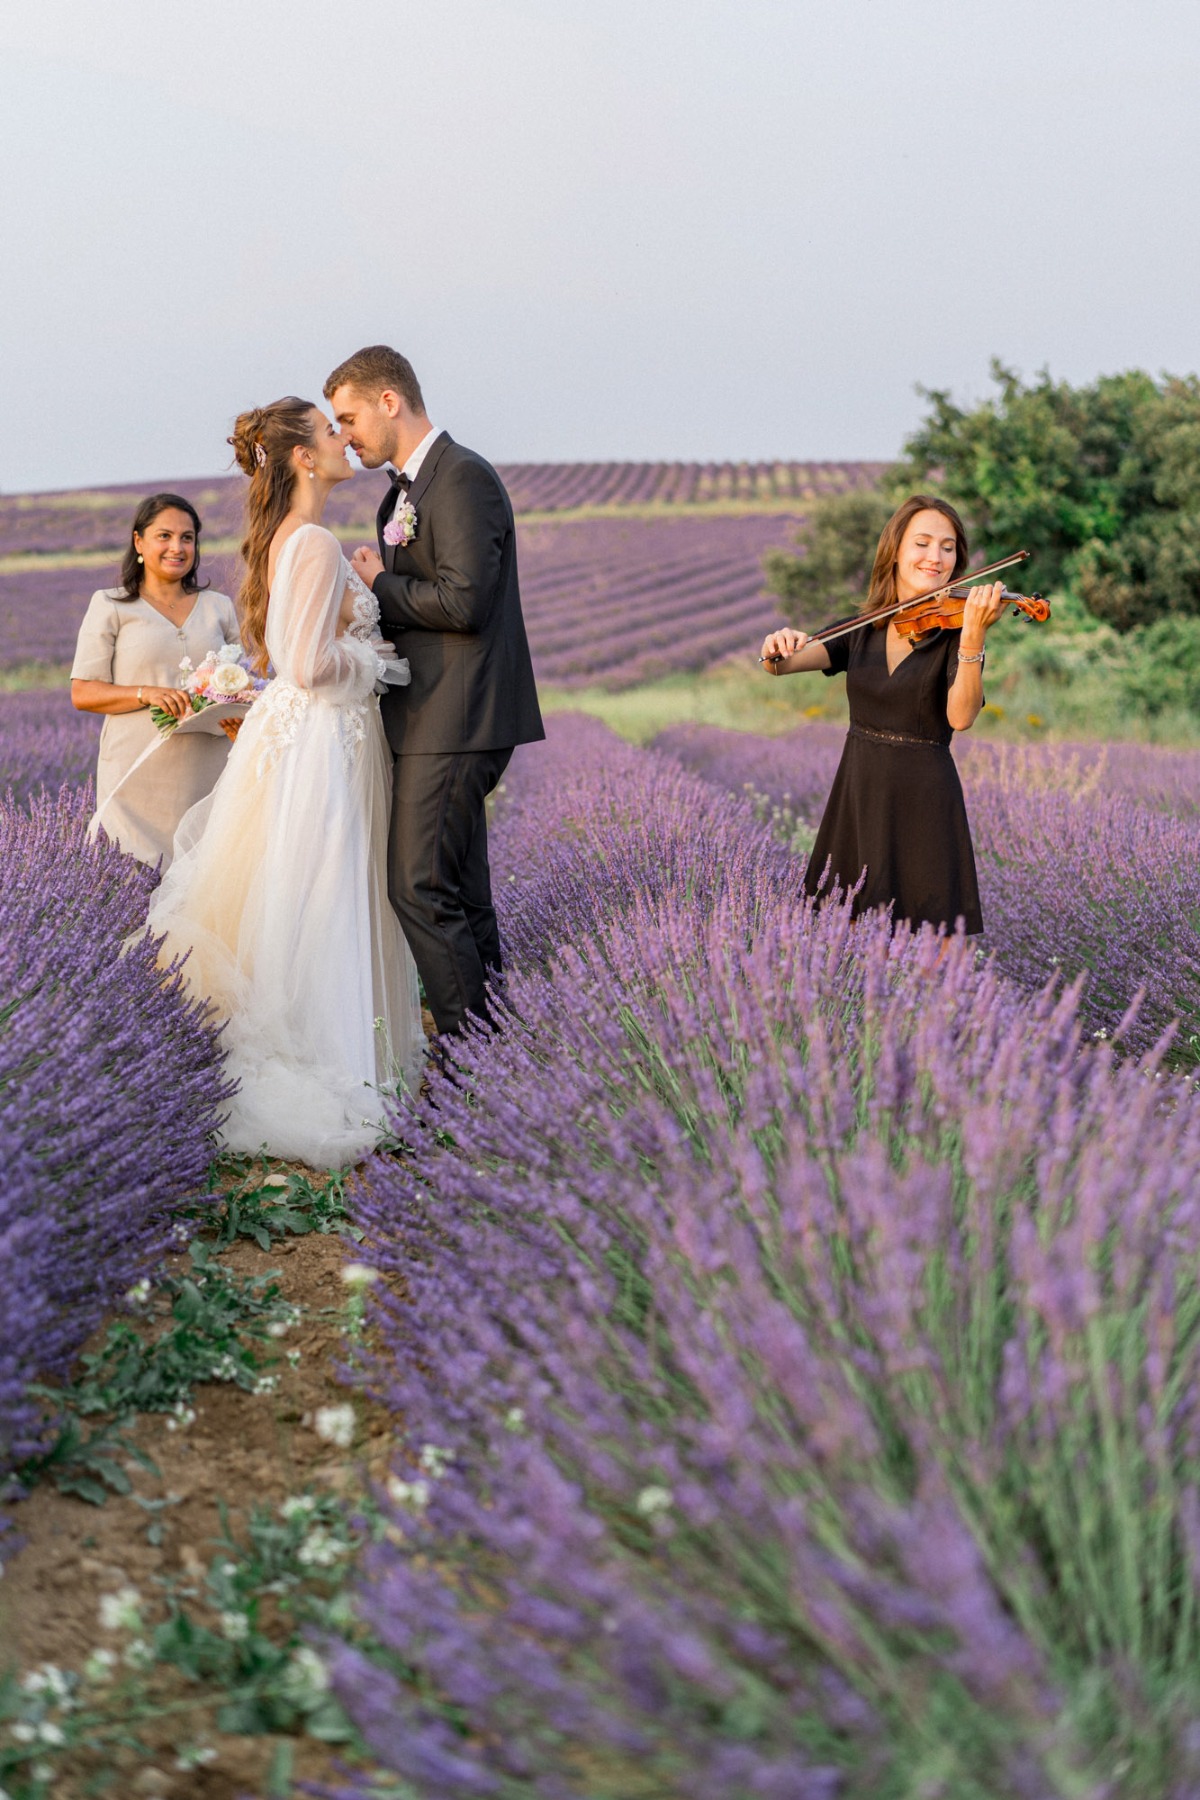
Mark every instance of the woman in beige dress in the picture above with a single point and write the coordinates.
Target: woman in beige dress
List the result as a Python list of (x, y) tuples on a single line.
[(131, 643)]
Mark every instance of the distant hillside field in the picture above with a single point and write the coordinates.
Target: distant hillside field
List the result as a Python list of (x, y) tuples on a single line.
[(629, 571)]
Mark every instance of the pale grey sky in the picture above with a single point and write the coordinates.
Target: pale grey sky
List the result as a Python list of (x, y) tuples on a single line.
[(643, 228)]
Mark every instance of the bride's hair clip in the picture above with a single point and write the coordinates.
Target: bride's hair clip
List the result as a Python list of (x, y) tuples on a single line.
[(260, 455)]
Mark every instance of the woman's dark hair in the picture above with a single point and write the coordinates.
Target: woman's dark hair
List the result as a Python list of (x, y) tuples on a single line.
[(132, 570), (882, 591)]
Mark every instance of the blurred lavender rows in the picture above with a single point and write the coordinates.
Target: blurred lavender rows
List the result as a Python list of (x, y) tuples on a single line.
[(45, 743), (610, 601), (795, 1340), (1088, 857), (110, 1086), (98, 518)]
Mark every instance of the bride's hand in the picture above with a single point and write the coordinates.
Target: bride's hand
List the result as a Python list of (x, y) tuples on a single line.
[(366, 564)]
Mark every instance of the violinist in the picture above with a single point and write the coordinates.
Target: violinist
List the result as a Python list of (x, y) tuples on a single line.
[(896, 808)]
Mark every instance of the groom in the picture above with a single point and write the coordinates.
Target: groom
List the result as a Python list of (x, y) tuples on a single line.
[(446, 583)]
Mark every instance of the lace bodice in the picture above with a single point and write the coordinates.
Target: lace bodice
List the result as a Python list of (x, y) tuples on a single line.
[(364, 608)]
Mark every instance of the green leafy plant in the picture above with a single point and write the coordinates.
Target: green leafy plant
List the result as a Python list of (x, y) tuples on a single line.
[(837, 544), (1101, 482)]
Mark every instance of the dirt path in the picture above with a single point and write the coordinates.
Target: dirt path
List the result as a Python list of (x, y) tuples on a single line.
[(243, 1450)]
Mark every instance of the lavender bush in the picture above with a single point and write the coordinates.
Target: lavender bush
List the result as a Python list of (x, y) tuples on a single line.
[(45, 743), (613, 601), (1089, 858), (110, 1084), (794, 1331)]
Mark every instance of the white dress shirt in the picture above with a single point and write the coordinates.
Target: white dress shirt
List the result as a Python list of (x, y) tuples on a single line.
[(412, 466)]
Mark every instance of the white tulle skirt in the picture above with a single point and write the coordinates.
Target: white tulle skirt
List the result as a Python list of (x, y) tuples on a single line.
[(277, 897)]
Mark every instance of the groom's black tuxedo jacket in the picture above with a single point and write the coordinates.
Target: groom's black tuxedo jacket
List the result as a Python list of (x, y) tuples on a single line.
[(450, 603)]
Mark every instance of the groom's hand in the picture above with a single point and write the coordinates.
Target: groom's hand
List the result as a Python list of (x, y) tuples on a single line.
[(366, 564)]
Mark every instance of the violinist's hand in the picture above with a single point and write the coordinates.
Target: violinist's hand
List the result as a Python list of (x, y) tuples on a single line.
[(230, 727), (980, 613), (779, 647)]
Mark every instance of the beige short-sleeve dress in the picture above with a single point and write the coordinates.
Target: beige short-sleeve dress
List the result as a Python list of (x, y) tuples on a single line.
[(128, 642)]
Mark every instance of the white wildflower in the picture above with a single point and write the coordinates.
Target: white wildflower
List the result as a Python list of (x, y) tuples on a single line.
[(279, 1328), (320, 1550), (293, 1357), (99, 1665), (359, 1275), (224, 1369), (298, 1506), (514, 1419), (24, 1734), (194, 1756), (434, 1460), (49, 1733), (139, 1293), (654, 1500), (121, 1611), (235, 1626), (409, 1493), (266, 1384), (306, 1673), (335, 1424), (138, 1654), (181, 1416)]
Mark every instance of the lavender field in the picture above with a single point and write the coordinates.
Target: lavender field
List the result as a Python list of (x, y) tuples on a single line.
[(789, 1330), (662, 572)]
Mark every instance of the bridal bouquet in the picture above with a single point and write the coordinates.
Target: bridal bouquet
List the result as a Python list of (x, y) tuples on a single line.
[(223, 678)]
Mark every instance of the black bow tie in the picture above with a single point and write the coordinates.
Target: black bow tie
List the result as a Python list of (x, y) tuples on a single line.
[(398, 478)]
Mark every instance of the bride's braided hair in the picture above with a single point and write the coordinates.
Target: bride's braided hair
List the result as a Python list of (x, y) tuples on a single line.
[(263, 440)]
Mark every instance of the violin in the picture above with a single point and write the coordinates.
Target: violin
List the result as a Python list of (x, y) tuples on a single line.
[(940, 611), (944, 611)]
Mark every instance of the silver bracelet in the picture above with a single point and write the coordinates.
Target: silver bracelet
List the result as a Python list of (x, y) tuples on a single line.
[(979, 658)]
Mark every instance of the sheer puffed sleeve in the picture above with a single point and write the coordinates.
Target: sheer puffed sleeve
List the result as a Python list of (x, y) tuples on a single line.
[(302, 620), (97, 642)]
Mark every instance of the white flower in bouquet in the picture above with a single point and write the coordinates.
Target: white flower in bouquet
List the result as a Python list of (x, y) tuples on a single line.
[(230, 653), (228, 678)]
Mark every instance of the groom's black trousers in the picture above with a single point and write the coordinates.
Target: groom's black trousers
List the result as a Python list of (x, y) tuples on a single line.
[(438, 876)]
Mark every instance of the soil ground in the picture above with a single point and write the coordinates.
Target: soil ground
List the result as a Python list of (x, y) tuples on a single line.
[(243, 1450)]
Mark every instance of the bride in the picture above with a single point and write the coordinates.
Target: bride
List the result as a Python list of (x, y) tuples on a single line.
[(278, 887)]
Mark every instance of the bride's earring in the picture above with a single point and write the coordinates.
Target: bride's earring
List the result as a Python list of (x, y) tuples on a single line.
[(141, 558), (312, 474)]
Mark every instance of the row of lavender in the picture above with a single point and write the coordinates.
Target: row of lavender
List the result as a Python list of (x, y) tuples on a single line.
[(97, 519), (795, 1336), (110, 1079), (1088, 858), (611, 601)]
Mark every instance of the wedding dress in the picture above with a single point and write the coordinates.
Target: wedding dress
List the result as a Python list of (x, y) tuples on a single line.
[(278, 887)]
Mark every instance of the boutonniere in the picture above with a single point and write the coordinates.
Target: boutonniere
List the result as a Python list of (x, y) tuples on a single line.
[(401, 528)]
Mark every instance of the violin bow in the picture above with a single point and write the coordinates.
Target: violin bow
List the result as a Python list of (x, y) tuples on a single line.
[(836, 631)]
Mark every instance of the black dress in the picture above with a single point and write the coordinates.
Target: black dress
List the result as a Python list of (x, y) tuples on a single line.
[(896, 806)]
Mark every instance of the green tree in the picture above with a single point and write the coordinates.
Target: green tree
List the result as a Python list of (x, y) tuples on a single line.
[(1102, 483), (837, 542)]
